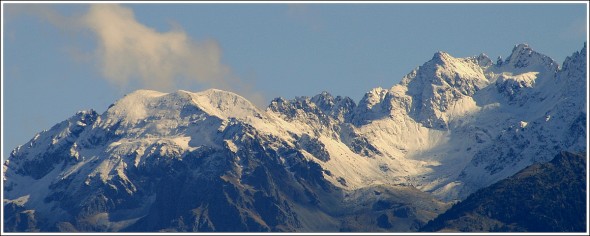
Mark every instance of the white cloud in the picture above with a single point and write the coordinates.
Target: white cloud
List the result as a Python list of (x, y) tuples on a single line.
[(129, 51)]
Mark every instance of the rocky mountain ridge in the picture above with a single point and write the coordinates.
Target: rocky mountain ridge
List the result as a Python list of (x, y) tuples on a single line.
[(208, 161)]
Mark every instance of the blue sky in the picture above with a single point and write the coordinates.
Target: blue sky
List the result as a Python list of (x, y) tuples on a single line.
[(61, 58)]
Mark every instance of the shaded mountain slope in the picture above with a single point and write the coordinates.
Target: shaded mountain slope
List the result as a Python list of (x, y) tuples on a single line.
[(549, 197)]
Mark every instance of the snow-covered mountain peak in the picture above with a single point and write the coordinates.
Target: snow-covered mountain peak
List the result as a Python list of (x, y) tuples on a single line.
[(142, 104), (575, 59), (372, 98), (574, 76), (523, 56), (438, 84), (520, 51), (324, 94), (133, 106), (337, 107), (446, 70), (323, 99), (375, 95), (224, 104), (441, 56), (444, 59), (375, 104), (521, 47), (320, 108), (483, 60)]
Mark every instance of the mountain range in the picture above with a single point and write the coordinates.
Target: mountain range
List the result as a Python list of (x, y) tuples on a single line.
[(394, 161)]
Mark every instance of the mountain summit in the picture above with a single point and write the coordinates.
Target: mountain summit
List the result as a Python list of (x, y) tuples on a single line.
[(212, 161)]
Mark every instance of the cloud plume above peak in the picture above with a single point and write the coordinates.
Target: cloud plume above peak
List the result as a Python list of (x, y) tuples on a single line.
[(130, 50), (130, 53)]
